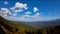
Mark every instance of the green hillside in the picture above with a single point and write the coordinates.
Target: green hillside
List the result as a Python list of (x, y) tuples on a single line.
[(7, 27), (12, 27)]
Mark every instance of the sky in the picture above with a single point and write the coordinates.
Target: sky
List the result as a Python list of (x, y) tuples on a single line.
[(30, 10)]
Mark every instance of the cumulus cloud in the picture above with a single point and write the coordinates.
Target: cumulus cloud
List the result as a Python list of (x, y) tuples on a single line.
[(20, 6), (6, 2), (5, 15), (20, 18), (25, 16), (28, 13), (12, 8), (18, 10), (4, 11), (14, 14), (36, 15), (35, 9)]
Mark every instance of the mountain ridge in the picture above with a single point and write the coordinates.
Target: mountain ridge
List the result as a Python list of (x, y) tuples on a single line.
[(43, 23)]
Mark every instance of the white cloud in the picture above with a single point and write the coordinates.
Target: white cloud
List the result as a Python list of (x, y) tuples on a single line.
[(28, 13), (21, 5), (5, 15), (15, 18), (18, 10), (36, 15), (6, 2), (25, 16), (4, 11), (35, 9), (14, 14), (20, 18), (12, 8)]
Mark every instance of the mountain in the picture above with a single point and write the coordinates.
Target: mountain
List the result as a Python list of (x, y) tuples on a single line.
[(45, 27), (8, 27), (40, 24)]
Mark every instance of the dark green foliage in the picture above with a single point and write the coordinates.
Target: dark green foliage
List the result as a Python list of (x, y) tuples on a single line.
[(1, 31), (27, 32), (38, 32), (48, 30)]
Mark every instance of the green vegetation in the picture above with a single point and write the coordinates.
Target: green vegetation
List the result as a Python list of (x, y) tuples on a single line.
[(6, 27)]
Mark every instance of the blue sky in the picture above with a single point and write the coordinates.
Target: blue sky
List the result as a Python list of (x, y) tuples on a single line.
[(29, 10)]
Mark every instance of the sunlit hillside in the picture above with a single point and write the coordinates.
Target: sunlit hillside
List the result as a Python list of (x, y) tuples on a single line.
[(11, 27), (7, 27)]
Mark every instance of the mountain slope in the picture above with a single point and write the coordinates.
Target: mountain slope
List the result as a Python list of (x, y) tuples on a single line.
[(40, 24), (7, 27), (12, 27)]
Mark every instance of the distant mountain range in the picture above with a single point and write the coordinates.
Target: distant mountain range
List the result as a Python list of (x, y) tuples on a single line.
[(37, 24), (40, 24), (29, 27)]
